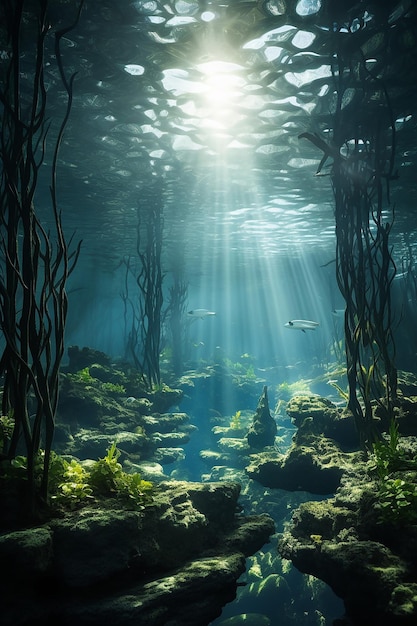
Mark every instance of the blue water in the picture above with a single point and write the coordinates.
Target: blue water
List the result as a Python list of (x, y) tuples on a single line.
[(205, 102)]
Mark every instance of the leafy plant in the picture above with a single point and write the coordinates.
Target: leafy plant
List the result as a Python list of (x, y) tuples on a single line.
[(241, 369), (387, 456), (397, 499), (69, 482), (108, 478), (82, 376), (397, 495), (105, 472), (235, 421)]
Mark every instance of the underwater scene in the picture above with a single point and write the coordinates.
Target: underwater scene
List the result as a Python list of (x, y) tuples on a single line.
[(208, 304)]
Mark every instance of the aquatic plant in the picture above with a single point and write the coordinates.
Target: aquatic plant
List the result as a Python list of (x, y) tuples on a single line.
[(35, 264), (396, 497), (285, 390), (68, 482), (388, 456), (362, 152), (82, 376), (397, 501), (176, 309), (107, 477), (146, 317), (241, 369), (71, 484), (235, 421)]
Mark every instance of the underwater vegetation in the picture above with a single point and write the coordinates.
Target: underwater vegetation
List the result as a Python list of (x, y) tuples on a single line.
[(362, 155), (396, 469), (73, 484), (84, 376), (235, 420), (36, 260), (145, 306)]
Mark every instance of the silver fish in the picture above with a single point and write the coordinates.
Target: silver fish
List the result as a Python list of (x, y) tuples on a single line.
[(302, 325), (200, 313)]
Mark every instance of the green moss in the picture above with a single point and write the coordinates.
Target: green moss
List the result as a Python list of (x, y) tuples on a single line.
[(113, 388)]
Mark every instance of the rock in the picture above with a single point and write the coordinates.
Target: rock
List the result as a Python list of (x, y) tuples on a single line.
[(94, 544), (316, 468), (175, 562), (263, 429), (363, 573), (314, 415), (162, 399), (91, 444), (28, 553), (80, 359), (369, 563), (166, 440), (211, 457), (167, 422), (166, 456), (234, 445), (188, 596), (147, 469)]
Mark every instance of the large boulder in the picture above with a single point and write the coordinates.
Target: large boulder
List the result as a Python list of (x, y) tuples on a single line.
[(177, 561), (368, 562), (316, 467)]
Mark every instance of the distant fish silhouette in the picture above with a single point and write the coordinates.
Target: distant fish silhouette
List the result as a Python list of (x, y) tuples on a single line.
[(338, 312), (302, 325), (200, 313)]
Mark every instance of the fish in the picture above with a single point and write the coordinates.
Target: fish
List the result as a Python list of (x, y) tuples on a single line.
[(338, 312), (200, 313), (302, 325)]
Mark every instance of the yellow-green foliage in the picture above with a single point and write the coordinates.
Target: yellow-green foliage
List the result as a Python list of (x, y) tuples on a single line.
[(108, 478), (68, 482), (82, 376), (285, 391), (235, 421), (71, 484)]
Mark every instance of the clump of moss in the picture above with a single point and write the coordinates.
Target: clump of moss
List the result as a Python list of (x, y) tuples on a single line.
[(113, 388), (84, 376)]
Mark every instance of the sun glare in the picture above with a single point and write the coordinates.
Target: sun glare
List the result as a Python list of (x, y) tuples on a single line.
[(222, 89)]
